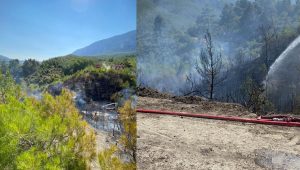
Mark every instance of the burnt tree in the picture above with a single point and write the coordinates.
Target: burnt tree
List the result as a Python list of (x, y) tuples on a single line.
[(210, 69)]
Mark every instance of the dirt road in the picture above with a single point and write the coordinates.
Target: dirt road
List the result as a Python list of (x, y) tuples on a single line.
[(170, 142)]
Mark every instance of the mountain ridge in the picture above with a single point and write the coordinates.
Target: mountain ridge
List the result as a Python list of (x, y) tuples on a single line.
[(118, 44), (4, 58)]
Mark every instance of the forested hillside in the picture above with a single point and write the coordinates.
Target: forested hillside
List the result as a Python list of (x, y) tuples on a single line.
[(246, 37), (60, 69)]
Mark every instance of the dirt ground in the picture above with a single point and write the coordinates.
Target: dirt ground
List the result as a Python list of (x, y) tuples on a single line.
[(173, 142)]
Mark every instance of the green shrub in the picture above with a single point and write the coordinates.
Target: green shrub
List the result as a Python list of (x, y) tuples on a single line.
[(45, 134)]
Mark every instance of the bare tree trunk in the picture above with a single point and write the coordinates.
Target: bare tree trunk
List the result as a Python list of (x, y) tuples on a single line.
[(209, 68)]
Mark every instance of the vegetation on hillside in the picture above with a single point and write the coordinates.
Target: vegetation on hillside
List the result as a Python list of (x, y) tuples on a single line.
[(61, 69), (102, 83), (57, 69)]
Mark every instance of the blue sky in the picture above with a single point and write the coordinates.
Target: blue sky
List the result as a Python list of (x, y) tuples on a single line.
[(42, 29)]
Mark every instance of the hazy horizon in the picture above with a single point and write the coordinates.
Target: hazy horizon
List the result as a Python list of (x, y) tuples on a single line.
[(46, 29)]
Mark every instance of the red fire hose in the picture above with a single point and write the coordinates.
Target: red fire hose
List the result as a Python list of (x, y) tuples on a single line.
[(260, 120)]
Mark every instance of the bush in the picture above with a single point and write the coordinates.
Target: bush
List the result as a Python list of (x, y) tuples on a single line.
[(129, 136), (45, 134), (109, 161)]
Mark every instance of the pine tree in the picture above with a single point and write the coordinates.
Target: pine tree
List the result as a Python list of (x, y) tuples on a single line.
[(42, 134)]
